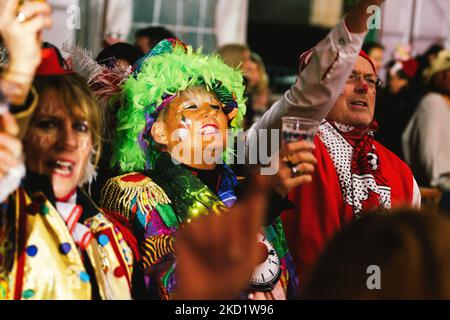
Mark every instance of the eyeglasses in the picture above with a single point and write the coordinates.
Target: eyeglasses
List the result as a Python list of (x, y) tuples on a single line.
[(372, 80)]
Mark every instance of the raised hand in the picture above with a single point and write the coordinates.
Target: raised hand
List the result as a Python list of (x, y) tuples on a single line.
[(12, 168), (21, 29), (10, 145), (356, 20), (22, 38)]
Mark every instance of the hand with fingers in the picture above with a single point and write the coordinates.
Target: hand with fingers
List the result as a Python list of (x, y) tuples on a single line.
[(356, 19), (12, 169), (216, 254), (296, 166), (20, 29)]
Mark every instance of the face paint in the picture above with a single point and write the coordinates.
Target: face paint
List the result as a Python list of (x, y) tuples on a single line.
[(187, 121), (183, 134), (196, 119), (183, 130), (58, 145), (348, 108), (365, 87)]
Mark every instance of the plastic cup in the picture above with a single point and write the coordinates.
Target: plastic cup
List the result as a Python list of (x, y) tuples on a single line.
[(297, 129)]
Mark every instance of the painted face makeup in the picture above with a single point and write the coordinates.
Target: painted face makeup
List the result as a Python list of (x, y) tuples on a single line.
[(192, 108), (58, 144), (183, 128), (195, 122)]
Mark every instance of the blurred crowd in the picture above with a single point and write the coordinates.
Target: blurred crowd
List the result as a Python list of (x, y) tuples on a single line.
[(412, 110), (98, 202)]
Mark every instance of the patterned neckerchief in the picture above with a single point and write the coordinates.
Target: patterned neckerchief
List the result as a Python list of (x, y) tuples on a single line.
[(356, 161)]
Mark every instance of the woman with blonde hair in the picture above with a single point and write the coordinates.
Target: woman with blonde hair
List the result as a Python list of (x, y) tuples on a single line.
[(256, 79), (235, 55), (63, 246), (258, 86), (54, 242)]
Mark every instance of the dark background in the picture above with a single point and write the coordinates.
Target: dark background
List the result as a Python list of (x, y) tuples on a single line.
[(281, 34)]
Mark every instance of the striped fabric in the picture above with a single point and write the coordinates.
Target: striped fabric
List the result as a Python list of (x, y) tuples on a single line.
[(154, 248)]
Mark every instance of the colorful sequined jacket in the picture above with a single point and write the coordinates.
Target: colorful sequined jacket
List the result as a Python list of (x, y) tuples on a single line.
[(144, 206), (40, 259)]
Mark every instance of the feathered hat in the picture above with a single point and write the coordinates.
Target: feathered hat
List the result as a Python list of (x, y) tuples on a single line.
[(406, 69), (158, 77), (50, 64)]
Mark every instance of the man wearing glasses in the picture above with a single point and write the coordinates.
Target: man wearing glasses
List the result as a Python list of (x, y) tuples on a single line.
[(354, 173), (336, 86)]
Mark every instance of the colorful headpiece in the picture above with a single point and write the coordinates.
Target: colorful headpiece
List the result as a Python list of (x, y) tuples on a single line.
[(158, 77), (408, 68), (50, 66)]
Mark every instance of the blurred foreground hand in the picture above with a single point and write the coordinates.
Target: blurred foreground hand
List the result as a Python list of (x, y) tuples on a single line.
[(216, 254)]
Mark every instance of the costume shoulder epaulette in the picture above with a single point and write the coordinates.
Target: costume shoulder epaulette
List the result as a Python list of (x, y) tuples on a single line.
[(132, 194)]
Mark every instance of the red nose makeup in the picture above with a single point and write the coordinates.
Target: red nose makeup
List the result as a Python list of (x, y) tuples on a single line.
[(365, 87)]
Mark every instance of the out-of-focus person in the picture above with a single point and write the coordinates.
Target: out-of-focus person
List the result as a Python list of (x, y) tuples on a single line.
[(124, 53), (256, 79), (426, 139), (147, 38), (400, 73), (116, 21), (258, 87), (399, 255), (396, 104), (239, 56), (425, 59), (236, 56)]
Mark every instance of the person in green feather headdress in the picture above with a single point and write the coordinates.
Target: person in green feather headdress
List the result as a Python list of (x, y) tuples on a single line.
[(181, 108), (169, 69)]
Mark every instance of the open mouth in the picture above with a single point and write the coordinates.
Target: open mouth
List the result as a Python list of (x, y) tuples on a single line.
[(209, 129), (359, 103), (61, 167)]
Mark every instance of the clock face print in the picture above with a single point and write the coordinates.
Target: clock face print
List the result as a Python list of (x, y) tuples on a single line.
[(266, 275)]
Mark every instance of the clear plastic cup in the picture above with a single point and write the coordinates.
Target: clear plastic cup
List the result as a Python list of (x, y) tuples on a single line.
[(297, 129)]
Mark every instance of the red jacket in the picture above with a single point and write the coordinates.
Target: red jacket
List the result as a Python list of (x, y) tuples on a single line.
[(319, 211)]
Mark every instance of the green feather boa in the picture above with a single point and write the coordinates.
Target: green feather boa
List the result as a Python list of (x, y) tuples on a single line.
[(169, 73)]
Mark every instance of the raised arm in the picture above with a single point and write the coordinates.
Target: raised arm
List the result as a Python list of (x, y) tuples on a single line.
[(322, 73), (21, 29)]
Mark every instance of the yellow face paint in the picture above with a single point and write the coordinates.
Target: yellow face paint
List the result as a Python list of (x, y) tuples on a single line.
[(195, 120)]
